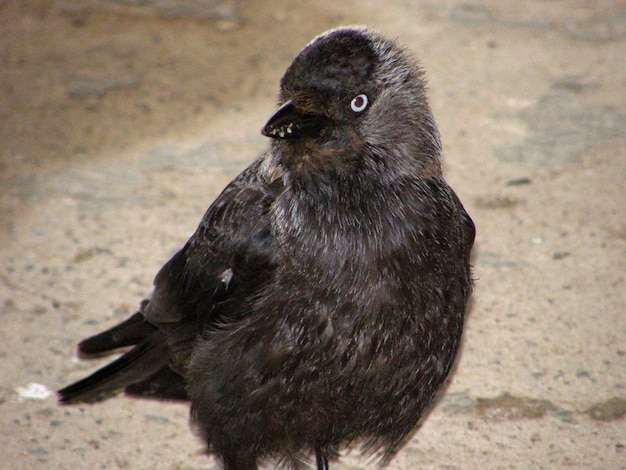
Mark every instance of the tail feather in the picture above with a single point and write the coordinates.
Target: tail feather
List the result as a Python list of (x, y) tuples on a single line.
[(136, 365), (165, 384), (128, 333)]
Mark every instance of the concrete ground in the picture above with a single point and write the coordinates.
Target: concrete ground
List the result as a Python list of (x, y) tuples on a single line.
[(117, 132)]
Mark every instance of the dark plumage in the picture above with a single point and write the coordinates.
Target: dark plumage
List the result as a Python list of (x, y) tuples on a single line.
[(320, 303)]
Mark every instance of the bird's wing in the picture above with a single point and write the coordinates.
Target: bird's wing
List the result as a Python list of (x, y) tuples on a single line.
[(226, 260), (469, 231)]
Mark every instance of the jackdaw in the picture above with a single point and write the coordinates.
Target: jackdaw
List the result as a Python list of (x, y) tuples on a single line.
[(320, 302)]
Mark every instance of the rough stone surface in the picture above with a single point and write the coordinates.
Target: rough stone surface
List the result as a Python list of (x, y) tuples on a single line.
[(118, 131), (194, 9)]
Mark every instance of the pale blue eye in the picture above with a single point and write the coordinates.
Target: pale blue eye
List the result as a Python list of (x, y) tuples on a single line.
[(359, 103)]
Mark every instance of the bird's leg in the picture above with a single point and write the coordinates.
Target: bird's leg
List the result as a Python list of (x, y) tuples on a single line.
[(321, 458), (238, 462)]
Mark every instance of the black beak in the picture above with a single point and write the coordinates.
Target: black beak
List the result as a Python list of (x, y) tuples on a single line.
[(288, 123)]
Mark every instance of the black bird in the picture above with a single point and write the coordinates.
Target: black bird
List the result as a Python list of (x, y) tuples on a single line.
[(321, 301)]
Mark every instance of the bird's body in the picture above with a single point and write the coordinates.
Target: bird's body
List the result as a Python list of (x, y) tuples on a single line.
[(321, 301)]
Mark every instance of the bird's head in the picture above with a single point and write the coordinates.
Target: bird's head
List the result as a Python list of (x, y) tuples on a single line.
[(354, 101)]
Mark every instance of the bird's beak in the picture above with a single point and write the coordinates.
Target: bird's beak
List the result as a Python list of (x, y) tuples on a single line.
[(288, 123)]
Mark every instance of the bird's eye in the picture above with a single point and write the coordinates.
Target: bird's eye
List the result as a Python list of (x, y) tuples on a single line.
[(359, 103)]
